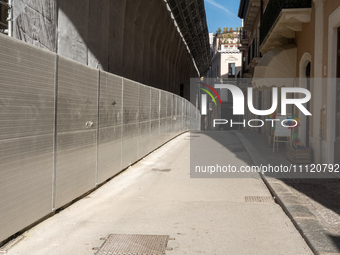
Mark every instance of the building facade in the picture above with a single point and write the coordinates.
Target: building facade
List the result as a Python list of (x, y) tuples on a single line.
[(226, 65), (297, 40), (145, 41), (226, 56)]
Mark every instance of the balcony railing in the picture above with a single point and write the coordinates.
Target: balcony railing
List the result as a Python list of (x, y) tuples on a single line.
[(273, 11), (243, 34), (253, 51)]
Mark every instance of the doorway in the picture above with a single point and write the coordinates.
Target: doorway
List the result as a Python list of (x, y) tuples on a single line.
[(337, 109), (305, 130)]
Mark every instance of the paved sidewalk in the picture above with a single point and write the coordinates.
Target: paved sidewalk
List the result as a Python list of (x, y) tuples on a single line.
[(156, 196), (312, 204)]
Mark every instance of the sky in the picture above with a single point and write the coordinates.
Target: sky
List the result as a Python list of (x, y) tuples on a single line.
[(222, 13)]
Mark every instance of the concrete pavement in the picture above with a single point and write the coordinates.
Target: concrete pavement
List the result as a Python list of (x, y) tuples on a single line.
[(205, 216), (312, 203)]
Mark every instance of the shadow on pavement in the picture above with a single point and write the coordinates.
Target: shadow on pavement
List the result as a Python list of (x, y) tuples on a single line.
[(227, 140), (336, 240), (322, 194)]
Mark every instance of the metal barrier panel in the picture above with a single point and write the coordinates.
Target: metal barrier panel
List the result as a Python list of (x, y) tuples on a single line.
[(169, 104), (187, 105), (130, 122), (179, 114), (163, 120), (183, 115), (110, 126), (155, 117), (144, 120), (192, 117), (27, 111), (77, 115), (193, 121), (174, 115), (67, 127)]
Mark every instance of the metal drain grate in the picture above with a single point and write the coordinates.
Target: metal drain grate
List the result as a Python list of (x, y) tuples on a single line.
[(161, 170), (134, 245), (259, 199)]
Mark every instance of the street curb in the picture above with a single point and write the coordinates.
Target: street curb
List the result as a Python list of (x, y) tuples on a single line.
[(318, 238)]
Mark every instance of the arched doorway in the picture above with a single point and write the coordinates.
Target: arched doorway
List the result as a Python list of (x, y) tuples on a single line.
[(304, 82)]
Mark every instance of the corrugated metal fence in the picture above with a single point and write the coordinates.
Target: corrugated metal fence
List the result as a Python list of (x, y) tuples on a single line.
[(65, 128)]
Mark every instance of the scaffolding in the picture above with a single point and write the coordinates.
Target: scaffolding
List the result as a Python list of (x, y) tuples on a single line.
[(191, 19)]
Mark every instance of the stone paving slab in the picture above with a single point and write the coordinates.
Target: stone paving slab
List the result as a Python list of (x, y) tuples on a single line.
[(312, 204)]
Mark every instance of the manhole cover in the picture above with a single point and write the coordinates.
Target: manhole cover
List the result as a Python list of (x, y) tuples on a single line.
[(134, 245), (161, 170), (259, 199)]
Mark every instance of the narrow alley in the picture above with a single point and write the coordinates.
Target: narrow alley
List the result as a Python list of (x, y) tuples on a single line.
[(156, 196)]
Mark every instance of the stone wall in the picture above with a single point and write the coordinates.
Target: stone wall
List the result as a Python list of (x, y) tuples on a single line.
[(136, 39), (35, 22)]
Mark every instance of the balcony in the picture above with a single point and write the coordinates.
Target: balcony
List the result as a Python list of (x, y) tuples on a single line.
[(244, 40), (281, 20), (253, 55)]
